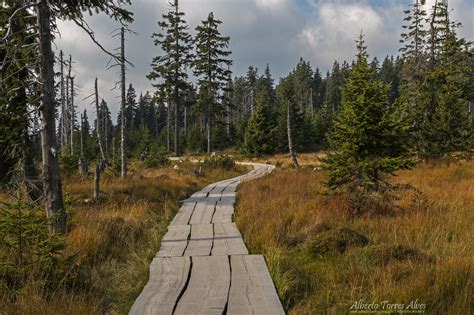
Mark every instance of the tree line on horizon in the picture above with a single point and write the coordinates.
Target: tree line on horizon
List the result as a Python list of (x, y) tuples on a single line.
[(423, 108)]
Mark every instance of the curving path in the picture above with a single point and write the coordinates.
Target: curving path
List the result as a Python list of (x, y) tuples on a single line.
[(203, 265)]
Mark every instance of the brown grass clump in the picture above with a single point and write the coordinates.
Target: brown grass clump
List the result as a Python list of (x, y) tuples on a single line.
[(420, 246), (113, 240), (336, 241)]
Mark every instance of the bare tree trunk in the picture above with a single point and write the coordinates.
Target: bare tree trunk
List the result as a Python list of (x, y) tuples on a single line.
[(51, 174), (176, 89), (185, 123), (106, 133), (168, 119), (98, 169), (123, 155), (83, 166), (227, 125), (114, 153), (294, 159), (73, 112), (97, 127), (209, 132), (63, 102)]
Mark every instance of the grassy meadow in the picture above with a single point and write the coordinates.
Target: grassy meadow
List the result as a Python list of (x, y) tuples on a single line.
[(325, 252), (109, 244)]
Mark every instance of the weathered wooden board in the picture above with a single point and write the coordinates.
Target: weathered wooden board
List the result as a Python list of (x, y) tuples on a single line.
[(184, 213), (175, 241), (200, 243), (252, 290), (224, 210), (167, 280), (204, 211), (208, 287), (227, 240)]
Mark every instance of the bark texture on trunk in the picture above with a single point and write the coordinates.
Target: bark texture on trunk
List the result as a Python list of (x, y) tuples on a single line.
[(294, 159), (176, 89), (97, 127), (73, 112), (123, 155), (98, 169), (209, 132), (51, 175), (168, 123)]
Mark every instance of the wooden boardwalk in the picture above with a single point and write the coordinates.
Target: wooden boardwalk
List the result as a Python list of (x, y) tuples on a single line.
[(203, 265)]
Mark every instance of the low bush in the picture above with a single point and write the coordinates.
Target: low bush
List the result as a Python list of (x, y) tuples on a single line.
[(69, 163), (219, 162), (387, 253), (155, 158), (29, 251), (336, 241)]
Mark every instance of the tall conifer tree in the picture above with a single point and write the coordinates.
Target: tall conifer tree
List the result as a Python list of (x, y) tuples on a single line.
[(211, 68), (368, 143), (176, 44)]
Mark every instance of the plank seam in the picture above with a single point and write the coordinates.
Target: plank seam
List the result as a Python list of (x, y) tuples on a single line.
[(180, 295), (230, 284), (187, 243), (213, 238), (192, 212)]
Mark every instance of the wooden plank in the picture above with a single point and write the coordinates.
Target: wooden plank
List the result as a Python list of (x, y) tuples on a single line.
[(203, 211), (175, 241), (200, 243), (167, 280), (227, 240), (224, 210), (252, 290), (184, 213), (208, 287)]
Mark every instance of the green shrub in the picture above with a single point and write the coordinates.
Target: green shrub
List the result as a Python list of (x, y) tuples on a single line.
[(69, 163), (29, 251), (219, 162), (156, 157)]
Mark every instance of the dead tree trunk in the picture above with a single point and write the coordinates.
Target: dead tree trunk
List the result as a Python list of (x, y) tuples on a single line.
[(72, 110), (123, 156), (98, 170), (185, 121), (63, 102), (209, 132), (168, 123), (83, 166), (51, 174), (294, 159), (97, 127)]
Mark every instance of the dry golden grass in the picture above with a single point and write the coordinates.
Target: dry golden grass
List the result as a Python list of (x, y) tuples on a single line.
[(422, 248), (284, 161), (114, 240)]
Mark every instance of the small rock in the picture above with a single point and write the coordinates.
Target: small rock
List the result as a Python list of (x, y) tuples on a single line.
[(176, 167)]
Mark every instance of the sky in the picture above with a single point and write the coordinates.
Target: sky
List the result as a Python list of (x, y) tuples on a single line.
[(274, 32)]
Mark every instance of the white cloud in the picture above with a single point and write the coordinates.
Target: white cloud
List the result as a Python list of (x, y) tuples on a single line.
[(330, 35)]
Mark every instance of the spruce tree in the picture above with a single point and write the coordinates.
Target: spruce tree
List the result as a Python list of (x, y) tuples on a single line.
[(258, 134), (367, 143), (176, 44), (413, 103), (450, 124), (211, 68)]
